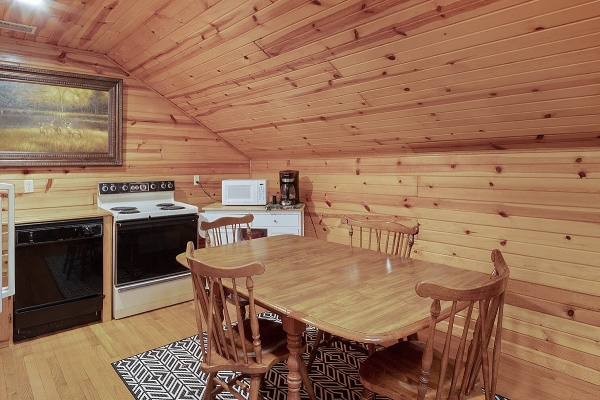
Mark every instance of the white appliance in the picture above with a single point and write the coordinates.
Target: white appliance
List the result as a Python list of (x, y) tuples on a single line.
[(244, 192), (9, 289), (150, 228)]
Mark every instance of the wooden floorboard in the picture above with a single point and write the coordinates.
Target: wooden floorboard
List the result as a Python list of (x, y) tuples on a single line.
[(76, 364)]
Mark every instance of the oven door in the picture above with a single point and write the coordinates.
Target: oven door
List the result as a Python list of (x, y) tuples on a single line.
[(145, 250)]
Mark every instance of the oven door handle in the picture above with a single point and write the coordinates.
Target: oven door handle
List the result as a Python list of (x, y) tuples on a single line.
[(153, 222)]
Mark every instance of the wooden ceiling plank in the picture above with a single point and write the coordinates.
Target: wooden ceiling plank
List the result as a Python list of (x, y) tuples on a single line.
[(487, 28), (449, 70), (542, 43), (273, 110), (528, 103), (186, 85), (330, 21), (274, 17), (193, 33), (441, 96), (129, 15), (289, 62)]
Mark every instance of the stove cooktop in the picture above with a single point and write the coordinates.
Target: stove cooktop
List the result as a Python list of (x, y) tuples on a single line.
[(141, 200)]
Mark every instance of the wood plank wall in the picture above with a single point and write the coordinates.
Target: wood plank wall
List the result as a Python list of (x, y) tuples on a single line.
[(539, 208), (159, 142)]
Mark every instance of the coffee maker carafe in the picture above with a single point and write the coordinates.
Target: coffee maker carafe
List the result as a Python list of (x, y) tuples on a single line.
[(288, 188)]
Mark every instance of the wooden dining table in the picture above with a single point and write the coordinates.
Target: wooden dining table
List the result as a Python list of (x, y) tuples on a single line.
[(358, 294)]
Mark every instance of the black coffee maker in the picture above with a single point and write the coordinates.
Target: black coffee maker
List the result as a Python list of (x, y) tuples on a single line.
[(288, 188)]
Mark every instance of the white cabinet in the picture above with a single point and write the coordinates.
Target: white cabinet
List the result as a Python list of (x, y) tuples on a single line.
[(266, 222)]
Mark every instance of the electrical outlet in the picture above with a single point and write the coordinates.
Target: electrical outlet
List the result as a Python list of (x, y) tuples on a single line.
[(28, 186), (196, 180)]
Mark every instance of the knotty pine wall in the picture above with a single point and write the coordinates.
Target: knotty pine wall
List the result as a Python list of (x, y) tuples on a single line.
[(541, 209), (159, 142)]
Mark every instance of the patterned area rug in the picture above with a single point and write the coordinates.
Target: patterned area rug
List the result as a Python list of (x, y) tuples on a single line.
[(172, 372)]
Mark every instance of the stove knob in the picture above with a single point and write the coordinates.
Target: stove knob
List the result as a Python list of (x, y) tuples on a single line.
[(163, 185), (113, 187), (144, 187), (124, 188), (104, 188), (170, 185), (152, 186)]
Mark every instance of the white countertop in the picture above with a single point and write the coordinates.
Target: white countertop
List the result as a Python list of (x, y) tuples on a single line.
[(221, 207)]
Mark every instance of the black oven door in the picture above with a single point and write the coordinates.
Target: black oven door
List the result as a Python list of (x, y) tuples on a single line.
[(145, 250)]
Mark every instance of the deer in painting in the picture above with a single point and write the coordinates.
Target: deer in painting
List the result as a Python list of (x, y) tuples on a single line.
[(73, 131), (45, 130), (55, 128)]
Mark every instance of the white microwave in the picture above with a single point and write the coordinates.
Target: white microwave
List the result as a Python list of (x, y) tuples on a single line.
[(244, 192)]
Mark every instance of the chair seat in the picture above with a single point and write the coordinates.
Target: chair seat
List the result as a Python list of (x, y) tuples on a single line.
[(395, 372)]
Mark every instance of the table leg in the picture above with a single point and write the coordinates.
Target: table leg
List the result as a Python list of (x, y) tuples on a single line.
[(294, 331)]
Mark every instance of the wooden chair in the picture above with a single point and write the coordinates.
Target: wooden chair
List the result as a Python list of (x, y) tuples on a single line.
[(226, 230), (388, 237), (416, 370), (251, 347), (384, 236)]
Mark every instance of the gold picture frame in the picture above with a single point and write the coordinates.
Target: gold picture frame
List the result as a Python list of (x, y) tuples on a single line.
[(50, 118)]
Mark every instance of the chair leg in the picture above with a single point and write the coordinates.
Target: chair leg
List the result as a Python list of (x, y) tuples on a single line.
[(313, 352), (210, 387), (307, 382), (255, 380)]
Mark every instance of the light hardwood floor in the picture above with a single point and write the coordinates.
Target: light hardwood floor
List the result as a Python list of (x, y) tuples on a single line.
[(76, 364)]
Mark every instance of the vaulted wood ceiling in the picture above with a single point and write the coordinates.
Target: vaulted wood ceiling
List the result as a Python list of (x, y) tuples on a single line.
[(298, 78)]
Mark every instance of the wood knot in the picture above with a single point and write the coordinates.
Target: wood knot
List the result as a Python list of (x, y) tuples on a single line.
[(582, 174), (498, 169), (503, 214), (578, 160), (570, 313), (503, 243)]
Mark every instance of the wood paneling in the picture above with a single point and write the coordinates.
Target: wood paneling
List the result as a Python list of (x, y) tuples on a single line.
[(159, 140), (500, 97), (340, 78), (540, 209)]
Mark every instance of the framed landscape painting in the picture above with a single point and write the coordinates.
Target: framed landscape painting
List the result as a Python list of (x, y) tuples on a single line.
[(50, 118)]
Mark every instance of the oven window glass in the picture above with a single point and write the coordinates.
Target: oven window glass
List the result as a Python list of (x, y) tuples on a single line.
[(146, 250)]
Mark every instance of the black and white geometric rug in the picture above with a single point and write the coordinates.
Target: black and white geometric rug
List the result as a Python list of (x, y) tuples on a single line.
[(173, 372)]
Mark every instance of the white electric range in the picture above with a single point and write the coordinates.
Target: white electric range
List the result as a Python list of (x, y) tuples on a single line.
[(150, 228)]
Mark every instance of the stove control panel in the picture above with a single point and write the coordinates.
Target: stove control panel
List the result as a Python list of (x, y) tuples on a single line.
[(135, 187)]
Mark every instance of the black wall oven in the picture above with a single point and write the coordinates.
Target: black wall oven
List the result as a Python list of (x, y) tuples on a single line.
[(58, 276)]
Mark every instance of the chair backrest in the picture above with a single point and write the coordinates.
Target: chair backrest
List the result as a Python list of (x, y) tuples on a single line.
[(226, 230), (489, 297), (227, 342), (384, 236)]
